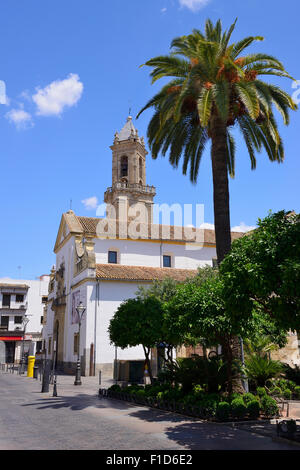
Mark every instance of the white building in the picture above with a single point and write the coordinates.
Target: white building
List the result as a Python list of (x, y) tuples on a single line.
[(101, 262), (20, 298)]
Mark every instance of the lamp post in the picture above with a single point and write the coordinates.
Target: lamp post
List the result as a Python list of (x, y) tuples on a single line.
[(22, 363), (80, 309)]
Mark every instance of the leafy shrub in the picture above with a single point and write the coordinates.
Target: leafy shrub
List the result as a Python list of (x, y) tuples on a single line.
[(284, 384), (223, 411), (261, 392), (292, 373), (238, 408), (248, 397), (115, 388), (253, 409), (153, 390), (297, 392), (276, 391), (234, 396), (132, 389), (169, 394), (198, 391), (141, 393), (208, 406), (287, 394), (210, 374), (259, 369), (269, 406)]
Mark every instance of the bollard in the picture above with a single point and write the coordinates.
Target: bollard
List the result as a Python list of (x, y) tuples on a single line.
[(35, 372), (30, 366), (54, 387), (46, 374)]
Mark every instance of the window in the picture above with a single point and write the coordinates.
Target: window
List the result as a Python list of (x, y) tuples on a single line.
[(39, 346), (166, 261), (76, 336), (124, 166), (6, 300), (42, 320), (19, 298), (18, 320), (44, 299), (112, 257), (4, 321)]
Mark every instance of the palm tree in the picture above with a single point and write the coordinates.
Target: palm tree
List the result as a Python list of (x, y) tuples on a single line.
[(214, 88)]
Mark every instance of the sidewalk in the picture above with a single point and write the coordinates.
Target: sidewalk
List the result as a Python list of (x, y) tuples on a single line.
[(78, 419), (65, 385)]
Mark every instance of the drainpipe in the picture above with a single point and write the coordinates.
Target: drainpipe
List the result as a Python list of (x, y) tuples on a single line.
[(95, 323), (160, 254)]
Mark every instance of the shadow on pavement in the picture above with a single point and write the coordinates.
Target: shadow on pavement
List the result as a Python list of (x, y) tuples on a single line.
[(153, 415), (78, 402)]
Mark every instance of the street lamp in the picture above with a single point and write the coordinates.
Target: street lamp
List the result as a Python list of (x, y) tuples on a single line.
[(24, 324), (80, 309)]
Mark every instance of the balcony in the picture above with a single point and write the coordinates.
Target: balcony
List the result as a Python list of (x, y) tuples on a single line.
[(123, 185), (14, 306)]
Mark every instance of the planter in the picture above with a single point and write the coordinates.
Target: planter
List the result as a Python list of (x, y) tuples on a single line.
[(195, 411)]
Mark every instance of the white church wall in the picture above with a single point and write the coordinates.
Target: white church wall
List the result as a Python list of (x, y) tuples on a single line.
[(111, 294), (139, 253)]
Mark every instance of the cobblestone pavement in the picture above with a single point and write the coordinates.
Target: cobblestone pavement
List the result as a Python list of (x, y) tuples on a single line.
[(78, 419)]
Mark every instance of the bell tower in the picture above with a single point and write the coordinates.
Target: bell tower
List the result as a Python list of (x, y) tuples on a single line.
[(129, 186)]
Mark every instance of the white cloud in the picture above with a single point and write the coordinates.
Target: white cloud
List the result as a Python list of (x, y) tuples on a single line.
[(194, 5), (207, 225), (238, 228), (90, 203), (20, 118), (242, 227), (163, 10), (58, 95)]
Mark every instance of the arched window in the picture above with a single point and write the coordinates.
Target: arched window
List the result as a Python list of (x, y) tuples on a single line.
[(141, 168), (124, 166)]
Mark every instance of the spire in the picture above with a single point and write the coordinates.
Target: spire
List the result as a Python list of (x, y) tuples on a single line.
[(127, 130)]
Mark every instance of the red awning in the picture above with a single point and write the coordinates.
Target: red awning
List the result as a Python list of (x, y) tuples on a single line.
[(11, 338)]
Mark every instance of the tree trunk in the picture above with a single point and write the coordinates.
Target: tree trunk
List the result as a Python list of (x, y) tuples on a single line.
[(220, 187), (222, 212), (148, 363), (227, 353)]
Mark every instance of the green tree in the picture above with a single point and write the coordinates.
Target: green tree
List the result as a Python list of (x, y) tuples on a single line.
[(201, 311), (137, 321), (262, 272), (171, 334), (214, 86)]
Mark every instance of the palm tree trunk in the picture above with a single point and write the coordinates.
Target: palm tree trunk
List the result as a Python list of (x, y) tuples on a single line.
[(220, 185), (222, 215)]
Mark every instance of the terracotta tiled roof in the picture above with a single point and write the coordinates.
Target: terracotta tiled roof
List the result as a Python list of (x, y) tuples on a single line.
[(141, 273), (89, 225)]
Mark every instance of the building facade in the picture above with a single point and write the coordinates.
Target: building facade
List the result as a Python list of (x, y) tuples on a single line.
[(102, 261), (19, 299)]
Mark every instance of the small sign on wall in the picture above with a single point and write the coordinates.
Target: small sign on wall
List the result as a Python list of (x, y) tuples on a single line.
[(75, 303)]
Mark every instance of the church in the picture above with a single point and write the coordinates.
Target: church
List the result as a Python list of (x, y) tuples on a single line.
[(101, 261)]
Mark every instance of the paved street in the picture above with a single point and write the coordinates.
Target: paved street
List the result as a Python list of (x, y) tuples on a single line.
[(78, 419)]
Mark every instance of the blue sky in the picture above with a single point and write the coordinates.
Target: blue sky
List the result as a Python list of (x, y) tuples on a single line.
[(71, 70)]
